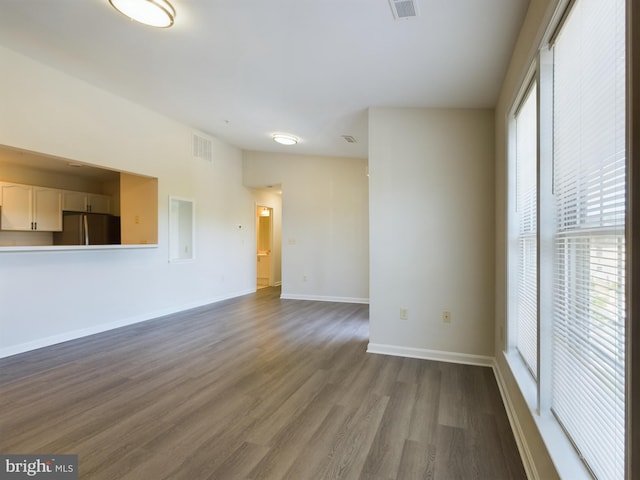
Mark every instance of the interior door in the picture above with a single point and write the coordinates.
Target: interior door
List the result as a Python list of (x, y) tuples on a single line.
[(264, 239)]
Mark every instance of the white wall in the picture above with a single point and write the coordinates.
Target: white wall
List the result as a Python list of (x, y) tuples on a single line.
[(431, 232), (324, 223), (52, 296)]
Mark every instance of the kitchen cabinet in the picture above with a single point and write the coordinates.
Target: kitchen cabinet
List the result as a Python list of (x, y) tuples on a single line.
[(86, 202), (27, 207)]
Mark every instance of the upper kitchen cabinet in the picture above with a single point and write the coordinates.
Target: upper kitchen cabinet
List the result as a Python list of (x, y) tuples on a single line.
[(99, 203), (86, 202), (30, 208)]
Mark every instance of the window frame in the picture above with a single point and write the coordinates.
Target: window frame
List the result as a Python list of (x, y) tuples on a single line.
[(537, 393), (530, 92)]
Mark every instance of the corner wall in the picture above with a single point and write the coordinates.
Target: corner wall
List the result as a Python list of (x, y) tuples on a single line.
[(431, 232), (52, 296)]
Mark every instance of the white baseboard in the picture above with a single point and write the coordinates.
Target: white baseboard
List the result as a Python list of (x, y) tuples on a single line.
[(84, 332), (323, 298), (516, 428), (426, 354)]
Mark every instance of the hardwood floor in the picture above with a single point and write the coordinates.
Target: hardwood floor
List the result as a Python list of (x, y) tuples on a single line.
[(257, 388)]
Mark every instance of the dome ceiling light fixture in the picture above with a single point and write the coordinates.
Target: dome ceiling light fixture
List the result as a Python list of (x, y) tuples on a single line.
[(285, 138), (155, 13)]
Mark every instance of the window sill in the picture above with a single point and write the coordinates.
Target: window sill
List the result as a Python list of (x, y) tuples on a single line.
[(564, 457)]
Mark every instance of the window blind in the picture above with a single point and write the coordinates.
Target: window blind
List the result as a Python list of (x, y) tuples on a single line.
[(588, 384), (526, 207)]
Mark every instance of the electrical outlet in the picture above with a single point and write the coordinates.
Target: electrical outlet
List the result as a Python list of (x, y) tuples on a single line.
[(446, 316), (404, 314)]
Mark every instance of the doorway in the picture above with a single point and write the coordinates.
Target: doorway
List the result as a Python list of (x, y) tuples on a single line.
[(264, 243)]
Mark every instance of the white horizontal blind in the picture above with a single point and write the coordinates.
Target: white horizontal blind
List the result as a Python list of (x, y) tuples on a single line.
[(526, 207), (589, 185)]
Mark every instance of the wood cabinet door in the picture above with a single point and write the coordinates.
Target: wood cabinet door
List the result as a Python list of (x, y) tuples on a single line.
[(17, 207), (74, 202), (47, 209), (100, 203)]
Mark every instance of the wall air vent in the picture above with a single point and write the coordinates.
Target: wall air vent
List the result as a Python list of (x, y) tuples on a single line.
[(403, 9), (202, 147)]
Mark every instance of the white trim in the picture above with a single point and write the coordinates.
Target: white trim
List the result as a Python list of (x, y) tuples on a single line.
[(277, 284), (564, 457), (84, 332), (323, 298), (425, 354), (516, 428), (49, 248)]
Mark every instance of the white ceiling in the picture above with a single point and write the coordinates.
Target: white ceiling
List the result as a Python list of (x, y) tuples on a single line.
[(243, 69)]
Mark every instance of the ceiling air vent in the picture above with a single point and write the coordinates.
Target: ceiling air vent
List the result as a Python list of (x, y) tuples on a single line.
[(403, 9), (202, 147), (349, 139)]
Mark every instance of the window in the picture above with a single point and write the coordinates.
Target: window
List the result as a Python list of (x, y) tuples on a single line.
[(526, 306), (567, 253), (589, 189)]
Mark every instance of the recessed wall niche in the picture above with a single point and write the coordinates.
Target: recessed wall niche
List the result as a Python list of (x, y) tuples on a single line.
[(181, 228)]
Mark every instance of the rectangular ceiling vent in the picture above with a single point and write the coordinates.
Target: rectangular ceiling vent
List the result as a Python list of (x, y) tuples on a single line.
[(403, 9), (349, 139), (202, 147)]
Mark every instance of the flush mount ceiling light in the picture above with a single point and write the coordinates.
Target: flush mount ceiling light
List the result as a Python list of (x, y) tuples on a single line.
[(155, 13), (284, 139)]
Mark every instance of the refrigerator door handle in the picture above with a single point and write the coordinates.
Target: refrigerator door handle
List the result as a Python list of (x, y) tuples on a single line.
[(86, 229)]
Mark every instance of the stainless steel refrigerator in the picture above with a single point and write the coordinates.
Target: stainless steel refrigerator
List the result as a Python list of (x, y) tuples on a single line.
[(88, 229)]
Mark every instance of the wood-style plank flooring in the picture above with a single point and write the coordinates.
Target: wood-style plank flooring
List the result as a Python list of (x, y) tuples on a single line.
[(254, 388)]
